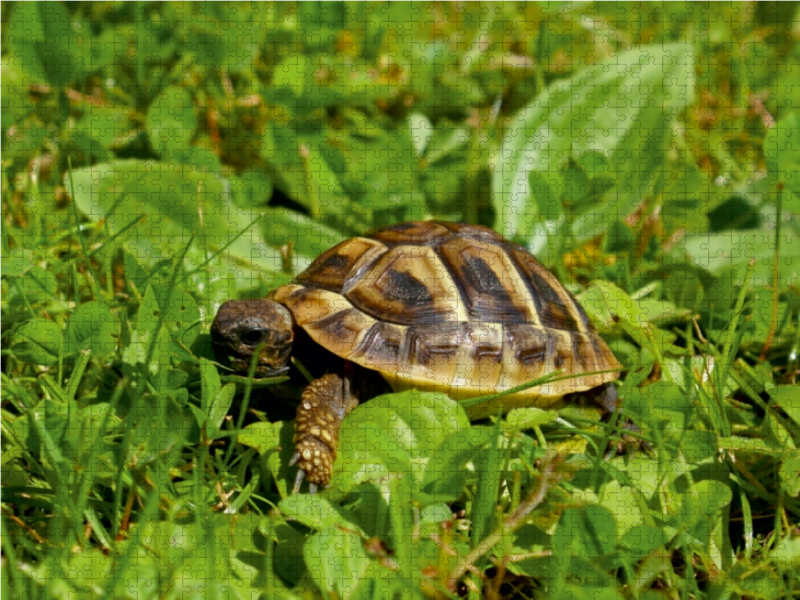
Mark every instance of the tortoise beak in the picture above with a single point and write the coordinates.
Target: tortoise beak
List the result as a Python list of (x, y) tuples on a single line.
[(253, 330), (241, 364)]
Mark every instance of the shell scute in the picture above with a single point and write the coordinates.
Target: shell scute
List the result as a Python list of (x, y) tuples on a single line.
[(488, 281), (554, 305), (407, 285), (342, 263), (342, 331), (381, 345), (413, 232)]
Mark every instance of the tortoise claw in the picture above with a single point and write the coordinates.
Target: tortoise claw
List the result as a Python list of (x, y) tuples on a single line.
[(298, 481), (300, 477)]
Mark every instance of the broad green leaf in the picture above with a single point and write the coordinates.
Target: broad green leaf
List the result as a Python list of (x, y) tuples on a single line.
[(205, 428), (41, 39), (17, 262), (92, 326), (147, 319), (105, 123), (603, 589), (719, 252), (584, 535), (170, 379), (421, 132), (181, 315), (788, 473), (201, 159), (622, 500), (295, 78), (222, 404), (336, 561), (85, 149), (446, 141), (171, 122), (592, 112), (16, 103), (162, 423), (313, 510), (136, 274), (38, 342), (787, 551), (684, 200), (780, 151), (37, 284), (588, 531), (147, 333), (252, 188), (307, 237), (317, 25), (525, 418), (663, 405), (702, 502), (446, 474), (419, 420), (639, 541), (366, 453), (611, 299), (261, 436), (210, 382), (177, 202), (322, 184), (788, 398), (698, 446)]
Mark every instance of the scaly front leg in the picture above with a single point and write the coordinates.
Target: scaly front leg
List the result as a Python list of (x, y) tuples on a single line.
[(323, 406)]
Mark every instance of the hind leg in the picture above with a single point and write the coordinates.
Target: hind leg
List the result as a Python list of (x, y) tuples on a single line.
[(607, 399)]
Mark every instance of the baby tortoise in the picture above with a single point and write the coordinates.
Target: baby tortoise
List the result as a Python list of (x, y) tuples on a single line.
[(429, 305)]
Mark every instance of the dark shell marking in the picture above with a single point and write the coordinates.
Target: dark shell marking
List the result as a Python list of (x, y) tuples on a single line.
[(445, 304)]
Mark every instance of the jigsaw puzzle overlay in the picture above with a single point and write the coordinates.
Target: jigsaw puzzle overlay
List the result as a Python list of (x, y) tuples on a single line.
[(430, 300)]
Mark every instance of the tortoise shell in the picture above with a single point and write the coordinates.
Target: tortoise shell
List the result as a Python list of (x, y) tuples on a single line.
[(449, 307)]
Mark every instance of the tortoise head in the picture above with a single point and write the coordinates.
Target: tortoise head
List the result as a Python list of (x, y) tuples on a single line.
[(241, 327)]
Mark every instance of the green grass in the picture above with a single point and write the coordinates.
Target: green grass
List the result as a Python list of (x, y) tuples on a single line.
[(646, 155)]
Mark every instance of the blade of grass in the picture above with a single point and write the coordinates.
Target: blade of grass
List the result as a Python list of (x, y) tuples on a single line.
[(86, 480), (151, 345), (508, 526), (13, 572), (120, 568), (24, 297), (59, 530), (483, 507), (730, 345), (549, 378), (117, 235), (94, 520), (401, 524), (74, 206), (248, 387), (77, 375), (776, 292), (221, 250), (207, 299)]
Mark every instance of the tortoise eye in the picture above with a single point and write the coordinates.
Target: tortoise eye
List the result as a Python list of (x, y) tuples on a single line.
[(253, 337)]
